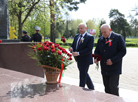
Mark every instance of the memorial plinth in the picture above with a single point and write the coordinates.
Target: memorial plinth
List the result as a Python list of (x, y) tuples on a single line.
[(14, 56)]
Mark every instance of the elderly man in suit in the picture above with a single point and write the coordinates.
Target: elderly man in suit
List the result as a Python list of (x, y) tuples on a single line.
[(112, 48), (81, 49)]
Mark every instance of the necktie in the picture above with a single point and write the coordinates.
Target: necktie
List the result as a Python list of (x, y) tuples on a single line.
[(106, 39), (79, 42)]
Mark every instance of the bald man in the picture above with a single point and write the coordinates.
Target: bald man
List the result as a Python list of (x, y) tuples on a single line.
[(112, 48), (81, 49)]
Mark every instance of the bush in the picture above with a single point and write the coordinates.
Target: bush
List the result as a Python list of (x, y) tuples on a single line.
[(127, 44)]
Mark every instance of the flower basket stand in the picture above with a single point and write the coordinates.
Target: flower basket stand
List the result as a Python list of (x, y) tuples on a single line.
[(51, 74)]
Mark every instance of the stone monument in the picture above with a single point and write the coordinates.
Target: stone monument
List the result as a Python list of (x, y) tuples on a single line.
[(4, 19)]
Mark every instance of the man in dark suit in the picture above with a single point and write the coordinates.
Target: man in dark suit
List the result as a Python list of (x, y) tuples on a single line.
[(81, 49), (25, 37), (112, 48), (36, 37)]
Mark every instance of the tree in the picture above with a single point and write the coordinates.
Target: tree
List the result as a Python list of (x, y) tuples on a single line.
[(53, 5), (38, 18), (60, 28), (66, 34), (134, 21), (118, 23), (101, 23), (93, 24), (22, 9), (90, 24), (134, 25), (73, 26)]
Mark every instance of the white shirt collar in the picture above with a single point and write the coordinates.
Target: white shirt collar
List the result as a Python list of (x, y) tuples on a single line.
[(110, 35), (84, 34)]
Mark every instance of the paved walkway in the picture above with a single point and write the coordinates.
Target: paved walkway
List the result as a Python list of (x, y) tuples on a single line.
[(127, 94), (128, 80)]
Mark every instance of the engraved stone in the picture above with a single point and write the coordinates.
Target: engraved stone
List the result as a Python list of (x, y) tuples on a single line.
[(4, 19)]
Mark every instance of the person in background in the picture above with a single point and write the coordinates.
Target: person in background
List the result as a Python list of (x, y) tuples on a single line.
[(81, 49), (25, 37), (36, 37), (111, 47)]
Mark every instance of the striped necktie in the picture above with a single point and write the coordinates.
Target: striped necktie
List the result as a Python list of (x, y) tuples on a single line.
[(79, 42)]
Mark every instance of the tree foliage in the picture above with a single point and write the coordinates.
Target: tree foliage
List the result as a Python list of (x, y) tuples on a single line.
[(55, 6), (101, 23), (134, 21), (38, 19), (22, 10), (118, 23)]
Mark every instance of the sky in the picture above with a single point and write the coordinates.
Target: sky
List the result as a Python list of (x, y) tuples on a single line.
[(101, 8)]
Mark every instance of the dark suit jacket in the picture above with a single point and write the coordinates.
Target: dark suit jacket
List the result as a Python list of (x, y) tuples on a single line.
[(36, 37), (26, 38), (85, 49), (115, 52)]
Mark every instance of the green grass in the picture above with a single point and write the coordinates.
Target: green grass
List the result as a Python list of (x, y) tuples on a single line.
[(67, 41), (71, 40), (128, 41), (135, 40)]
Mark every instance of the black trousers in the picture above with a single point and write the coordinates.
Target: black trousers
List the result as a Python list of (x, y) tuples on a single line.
[(111, 84), (84, 76)]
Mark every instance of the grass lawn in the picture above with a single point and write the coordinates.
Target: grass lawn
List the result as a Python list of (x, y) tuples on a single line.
[(71, 40), (134, 41), (128, 41)]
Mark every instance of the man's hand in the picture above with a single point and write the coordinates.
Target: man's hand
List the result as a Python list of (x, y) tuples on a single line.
[(109, 62), (95, 61), (75, 53), (70, 49)]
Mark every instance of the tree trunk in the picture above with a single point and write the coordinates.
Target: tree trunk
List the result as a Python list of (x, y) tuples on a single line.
[(67, 31), (124, 35), (52, 20), (135, 32), (20, 28), (52, 32)]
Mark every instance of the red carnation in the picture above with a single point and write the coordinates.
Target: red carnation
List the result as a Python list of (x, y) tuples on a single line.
[(33, 47), (46, 48), (52, 47), (60, 48), (69, 54), (59, 53), (64, 51), (70, 58), (50, 43), (53, 50), (39, 49), (98, 57), (45, 42), (56, 45), (93, 55), (63, 39)]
